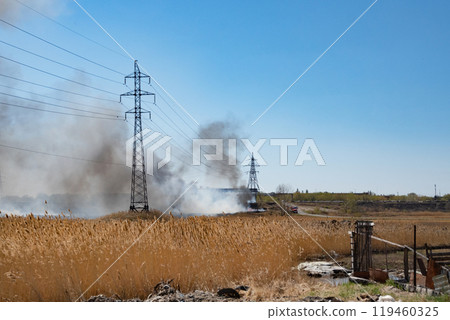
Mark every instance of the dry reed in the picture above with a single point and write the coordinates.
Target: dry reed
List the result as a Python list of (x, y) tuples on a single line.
[(56, 259)]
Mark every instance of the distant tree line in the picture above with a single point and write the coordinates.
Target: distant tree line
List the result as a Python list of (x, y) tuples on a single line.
[(287, 192)]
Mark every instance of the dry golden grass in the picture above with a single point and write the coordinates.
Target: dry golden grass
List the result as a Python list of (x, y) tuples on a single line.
[(130, 215), (56, 259)]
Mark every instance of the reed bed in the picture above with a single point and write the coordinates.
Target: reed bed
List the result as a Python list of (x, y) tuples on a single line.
[(57, 259)]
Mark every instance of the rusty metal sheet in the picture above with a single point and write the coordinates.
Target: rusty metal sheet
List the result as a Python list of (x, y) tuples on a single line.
[(434, 269), (378, 275)]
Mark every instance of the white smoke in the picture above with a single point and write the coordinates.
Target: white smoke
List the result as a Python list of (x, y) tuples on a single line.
[(15, 10), (211, 201)]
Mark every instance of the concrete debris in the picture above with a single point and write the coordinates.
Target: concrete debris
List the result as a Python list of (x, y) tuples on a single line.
[(171, 297), (320, 299), (164, 292), (419, 289), (103, 298), (323, 268), (196, 296), (386, 298), (441, 284)]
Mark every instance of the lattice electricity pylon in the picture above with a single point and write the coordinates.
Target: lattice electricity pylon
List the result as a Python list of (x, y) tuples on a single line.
[(253, 185), (139, 196)]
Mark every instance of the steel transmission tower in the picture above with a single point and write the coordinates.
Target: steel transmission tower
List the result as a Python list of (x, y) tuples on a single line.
[(253, 185), (139, 196)]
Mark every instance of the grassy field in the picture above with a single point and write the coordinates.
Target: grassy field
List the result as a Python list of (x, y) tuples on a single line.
[(56, 259)]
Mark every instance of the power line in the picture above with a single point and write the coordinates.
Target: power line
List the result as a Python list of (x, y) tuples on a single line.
[(174, 141), (59, 106), (77, 158), (113, 81), (60, 156), (57, 89), (183, 134), (201, 169), (177, 129), (170, 106), (133, 59), (55, 75), (70, 157), (73, 158), (177, 146), (146, 122), (59, 63), (71, 30), (61, 48), (71, 92), (189, 154), (57, 112), (57, 99), (102, 66)]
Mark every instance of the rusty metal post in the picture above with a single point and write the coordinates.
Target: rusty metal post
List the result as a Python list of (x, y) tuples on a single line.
[(415, 259)]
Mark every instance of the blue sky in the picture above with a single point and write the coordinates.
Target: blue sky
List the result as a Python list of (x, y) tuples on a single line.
[(377, 104)]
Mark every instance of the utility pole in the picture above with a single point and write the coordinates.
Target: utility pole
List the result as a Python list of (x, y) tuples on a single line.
[(253, 185), (139, 196)]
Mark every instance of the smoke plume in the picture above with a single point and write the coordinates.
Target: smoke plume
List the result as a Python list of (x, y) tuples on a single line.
[(219, 180), (32, 173), (220, 171), (78, 164)]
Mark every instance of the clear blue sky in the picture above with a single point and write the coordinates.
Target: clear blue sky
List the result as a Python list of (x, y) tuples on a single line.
[(377, 104)]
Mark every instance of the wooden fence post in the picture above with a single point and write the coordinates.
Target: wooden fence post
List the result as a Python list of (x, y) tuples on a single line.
[(363, 246), (406, 263), (415, 259)]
